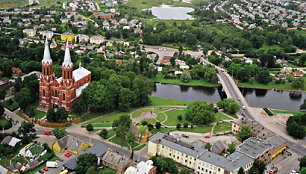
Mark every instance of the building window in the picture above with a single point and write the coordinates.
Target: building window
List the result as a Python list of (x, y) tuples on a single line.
[(47, 71), (43, 92), (55, 93), (63, 96), (218, 169)]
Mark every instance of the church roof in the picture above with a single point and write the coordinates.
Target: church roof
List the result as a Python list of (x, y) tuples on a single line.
[(47, 57), (67, 58), (80, 73)]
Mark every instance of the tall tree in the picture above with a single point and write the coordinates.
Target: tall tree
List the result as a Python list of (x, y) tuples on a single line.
[(23, 98), (244, 133), (200, 112), (85, 161), (2, 94)]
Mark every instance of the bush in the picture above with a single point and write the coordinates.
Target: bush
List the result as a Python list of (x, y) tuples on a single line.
[(157, 125), (10, 105), (178, 126), (7, 125), (268, 111), (185, 125), (179, 117), (46, 157), (103, 133)]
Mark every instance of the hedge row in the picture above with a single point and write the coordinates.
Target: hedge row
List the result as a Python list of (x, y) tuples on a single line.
[(268, 111)]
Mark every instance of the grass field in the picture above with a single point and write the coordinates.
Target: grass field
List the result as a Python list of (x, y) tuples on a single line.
[(220, 127), (163, 101), (117, 140), (38, 114), (140, 147), (200, 129), (90, 115), (201, 82), (277, 111), (224, 117), (270, 85), (160, 117), (162, 130), (143, 4), (106, 171), (3, 122), (172, 117)]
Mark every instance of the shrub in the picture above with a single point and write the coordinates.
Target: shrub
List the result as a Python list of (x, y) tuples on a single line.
[(185, 125), (268, 111), (46, 156), (103, 133), (7, 125), (178, 126), (179, 117)]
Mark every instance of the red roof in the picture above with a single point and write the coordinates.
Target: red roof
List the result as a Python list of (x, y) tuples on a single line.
[(15, 69), (298, 73)]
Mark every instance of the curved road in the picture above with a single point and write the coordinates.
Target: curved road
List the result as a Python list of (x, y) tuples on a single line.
[(295, 147)]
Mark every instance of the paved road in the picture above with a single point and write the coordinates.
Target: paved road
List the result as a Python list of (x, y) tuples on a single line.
[(293, 146)]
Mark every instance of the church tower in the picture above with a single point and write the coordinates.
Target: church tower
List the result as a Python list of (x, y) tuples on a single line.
[(46, 78), (69, 92)]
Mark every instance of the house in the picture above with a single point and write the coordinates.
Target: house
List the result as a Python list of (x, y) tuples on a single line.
[(218, 147), (142, 168), (298, 74), (281, 76), (83, 38), (166, 60), (258, 131), (16, 71), (123, 21), (184, 67), (96, 40), (119, 61), (35, 151), (11, 141), (256, 149), (29, 32), (3, 170), (67, 36), (21, 167), (106, 25), (281, 62), (8, 170), (33, 164), (71, 164), (279, 146), (109, 44), (194, 157), (46, 33), (159, 69), (286, 70), (116, 161), (98, 149), (72, 144), (8, 86)]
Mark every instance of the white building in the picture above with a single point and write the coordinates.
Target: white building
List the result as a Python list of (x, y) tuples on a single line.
[(96, 40), (29, 32)]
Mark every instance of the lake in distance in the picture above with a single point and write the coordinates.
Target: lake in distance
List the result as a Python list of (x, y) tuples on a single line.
[(172, 13)]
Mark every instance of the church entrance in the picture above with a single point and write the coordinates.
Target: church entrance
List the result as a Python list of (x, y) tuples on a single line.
[(55, 105)]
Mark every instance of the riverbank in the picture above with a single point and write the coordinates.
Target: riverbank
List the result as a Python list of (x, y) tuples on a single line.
[(202, 82), (271, 85)]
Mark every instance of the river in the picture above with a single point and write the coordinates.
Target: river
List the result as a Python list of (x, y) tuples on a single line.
[(255, 97)]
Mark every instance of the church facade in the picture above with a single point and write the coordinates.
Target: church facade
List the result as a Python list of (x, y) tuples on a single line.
[(62, 91)]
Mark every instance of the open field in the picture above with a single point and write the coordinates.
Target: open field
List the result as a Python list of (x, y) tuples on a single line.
[(270, 85), (201, 82), (220, 127), (156, 101)]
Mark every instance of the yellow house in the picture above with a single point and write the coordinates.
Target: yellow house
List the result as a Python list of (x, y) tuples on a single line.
[(109, 44), (71, 144), (279, 146), (68, 36)]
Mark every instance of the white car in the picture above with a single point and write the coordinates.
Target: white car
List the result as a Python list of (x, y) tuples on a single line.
[(243, 107)]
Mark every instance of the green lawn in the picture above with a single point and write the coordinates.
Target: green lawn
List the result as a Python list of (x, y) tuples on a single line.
[(38, 114), (110, 133), (102, 125), (140, 147), (162, 130), (150, 121), (160, 117), (20, 159), (109, 118), (201, 82), (138, 112), (3, 121), (220, 127), (277, 111), (172, 117), (224, 117), (156, 101), (90, 115), (117, 140), (200, 129), (270, 85), (6, 4), (106, 171), (291, 65)]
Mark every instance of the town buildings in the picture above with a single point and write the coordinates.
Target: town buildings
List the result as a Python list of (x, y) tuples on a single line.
[(62, 91), (70, 143)]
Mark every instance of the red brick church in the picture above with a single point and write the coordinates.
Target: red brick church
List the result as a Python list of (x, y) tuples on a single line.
[(62, 91)]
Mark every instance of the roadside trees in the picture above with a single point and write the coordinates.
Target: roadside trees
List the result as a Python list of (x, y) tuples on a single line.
[(229, 106), (89, 128)]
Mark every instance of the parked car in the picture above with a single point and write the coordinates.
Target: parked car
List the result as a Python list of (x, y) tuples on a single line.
[(60, 159), (47, 132), (45, 169), (68, 154), (207, 136), (222, 70), (41, 171), (52, 164), (243, 107), (185, 136)]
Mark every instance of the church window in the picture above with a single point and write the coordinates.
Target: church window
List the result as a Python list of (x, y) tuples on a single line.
[(43, 92), (68, 75), (55, 93), (47, 71), (63, 96)]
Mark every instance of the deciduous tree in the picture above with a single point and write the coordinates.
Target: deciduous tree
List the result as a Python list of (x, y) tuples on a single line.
[(244, 133)]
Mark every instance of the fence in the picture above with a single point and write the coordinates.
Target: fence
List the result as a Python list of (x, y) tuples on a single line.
[(50, 124)]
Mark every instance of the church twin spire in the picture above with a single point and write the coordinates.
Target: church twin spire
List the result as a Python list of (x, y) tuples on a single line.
[(47, 57)]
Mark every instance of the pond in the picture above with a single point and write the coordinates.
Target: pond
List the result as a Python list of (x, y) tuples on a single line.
[(172, 13), (255, 97)]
